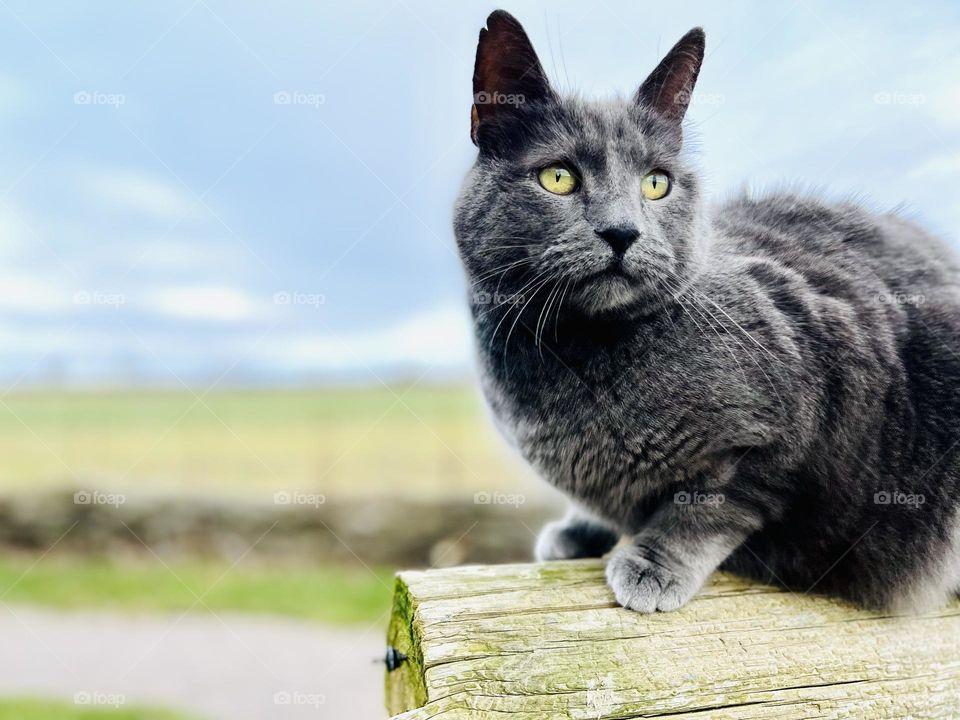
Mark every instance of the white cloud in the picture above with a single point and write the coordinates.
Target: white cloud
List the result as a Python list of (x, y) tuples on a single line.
[(940, 167), (12, 94), (189, 259), (169, 254), (140, 193), (212, 302), (946, 101), (11, 231), (438, 342), (438, 338), (31, 294)]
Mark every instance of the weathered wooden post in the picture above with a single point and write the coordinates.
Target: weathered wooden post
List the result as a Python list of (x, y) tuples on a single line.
[(538, 642)]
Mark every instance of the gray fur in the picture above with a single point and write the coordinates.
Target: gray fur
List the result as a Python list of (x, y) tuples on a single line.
[(577, 535), (742, 393)]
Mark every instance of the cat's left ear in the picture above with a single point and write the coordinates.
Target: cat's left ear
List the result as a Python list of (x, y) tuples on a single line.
[(668, 89), (507, 71)]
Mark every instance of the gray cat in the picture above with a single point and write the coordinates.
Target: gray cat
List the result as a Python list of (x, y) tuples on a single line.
[(771, 386)]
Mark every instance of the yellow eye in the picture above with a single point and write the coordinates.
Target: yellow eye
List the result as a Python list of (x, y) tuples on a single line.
[(655, 185), (557, 179)]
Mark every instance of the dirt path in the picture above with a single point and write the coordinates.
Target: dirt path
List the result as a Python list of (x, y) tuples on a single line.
[(217, 667)]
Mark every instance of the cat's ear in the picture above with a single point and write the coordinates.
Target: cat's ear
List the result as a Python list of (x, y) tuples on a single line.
[(506, 73), (668, 89)]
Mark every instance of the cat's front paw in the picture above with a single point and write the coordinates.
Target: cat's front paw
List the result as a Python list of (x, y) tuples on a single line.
[(564, 540), (645, 586)]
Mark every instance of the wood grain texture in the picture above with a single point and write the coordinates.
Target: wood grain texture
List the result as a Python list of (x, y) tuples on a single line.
[(538, 642)]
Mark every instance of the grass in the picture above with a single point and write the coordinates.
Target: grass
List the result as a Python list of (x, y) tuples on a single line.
[(418, 440), (330, 595), (18, 709)]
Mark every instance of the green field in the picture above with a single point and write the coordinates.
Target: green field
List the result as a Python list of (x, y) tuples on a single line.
[(330, 595), (408, 439), (426, 441), (17, 709)]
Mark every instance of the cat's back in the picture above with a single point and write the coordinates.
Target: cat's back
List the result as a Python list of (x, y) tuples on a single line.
[(871, 298), (821, 239)]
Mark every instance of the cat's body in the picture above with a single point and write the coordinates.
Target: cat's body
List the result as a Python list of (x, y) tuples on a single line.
[(772, 385), (625, 418)]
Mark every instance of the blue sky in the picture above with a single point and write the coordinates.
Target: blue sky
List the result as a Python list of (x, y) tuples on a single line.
[(202, 190)]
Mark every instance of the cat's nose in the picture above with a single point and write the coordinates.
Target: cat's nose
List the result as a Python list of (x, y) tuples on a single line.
[(619, 237)]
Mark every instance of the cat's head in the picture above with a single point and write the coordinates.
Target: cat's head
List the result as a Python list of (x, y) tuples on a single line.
[(593, 198)]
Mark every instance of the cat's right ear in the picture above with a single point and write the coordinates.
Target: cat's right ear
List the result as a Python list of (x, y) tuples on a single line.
[(507, 72), (670, 86)]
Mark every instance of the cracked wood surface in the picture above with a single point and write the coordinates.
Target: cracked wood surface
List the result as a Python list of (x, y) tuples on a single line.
[(544, 642)]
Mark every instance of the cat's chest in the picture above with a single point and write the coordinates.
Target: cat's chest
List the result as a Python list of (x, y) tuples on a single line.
[(594, 435)]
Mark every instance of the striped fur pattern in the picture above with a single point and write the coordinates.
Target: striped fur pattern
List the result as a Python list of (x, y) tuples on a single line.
[(771, 385)]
